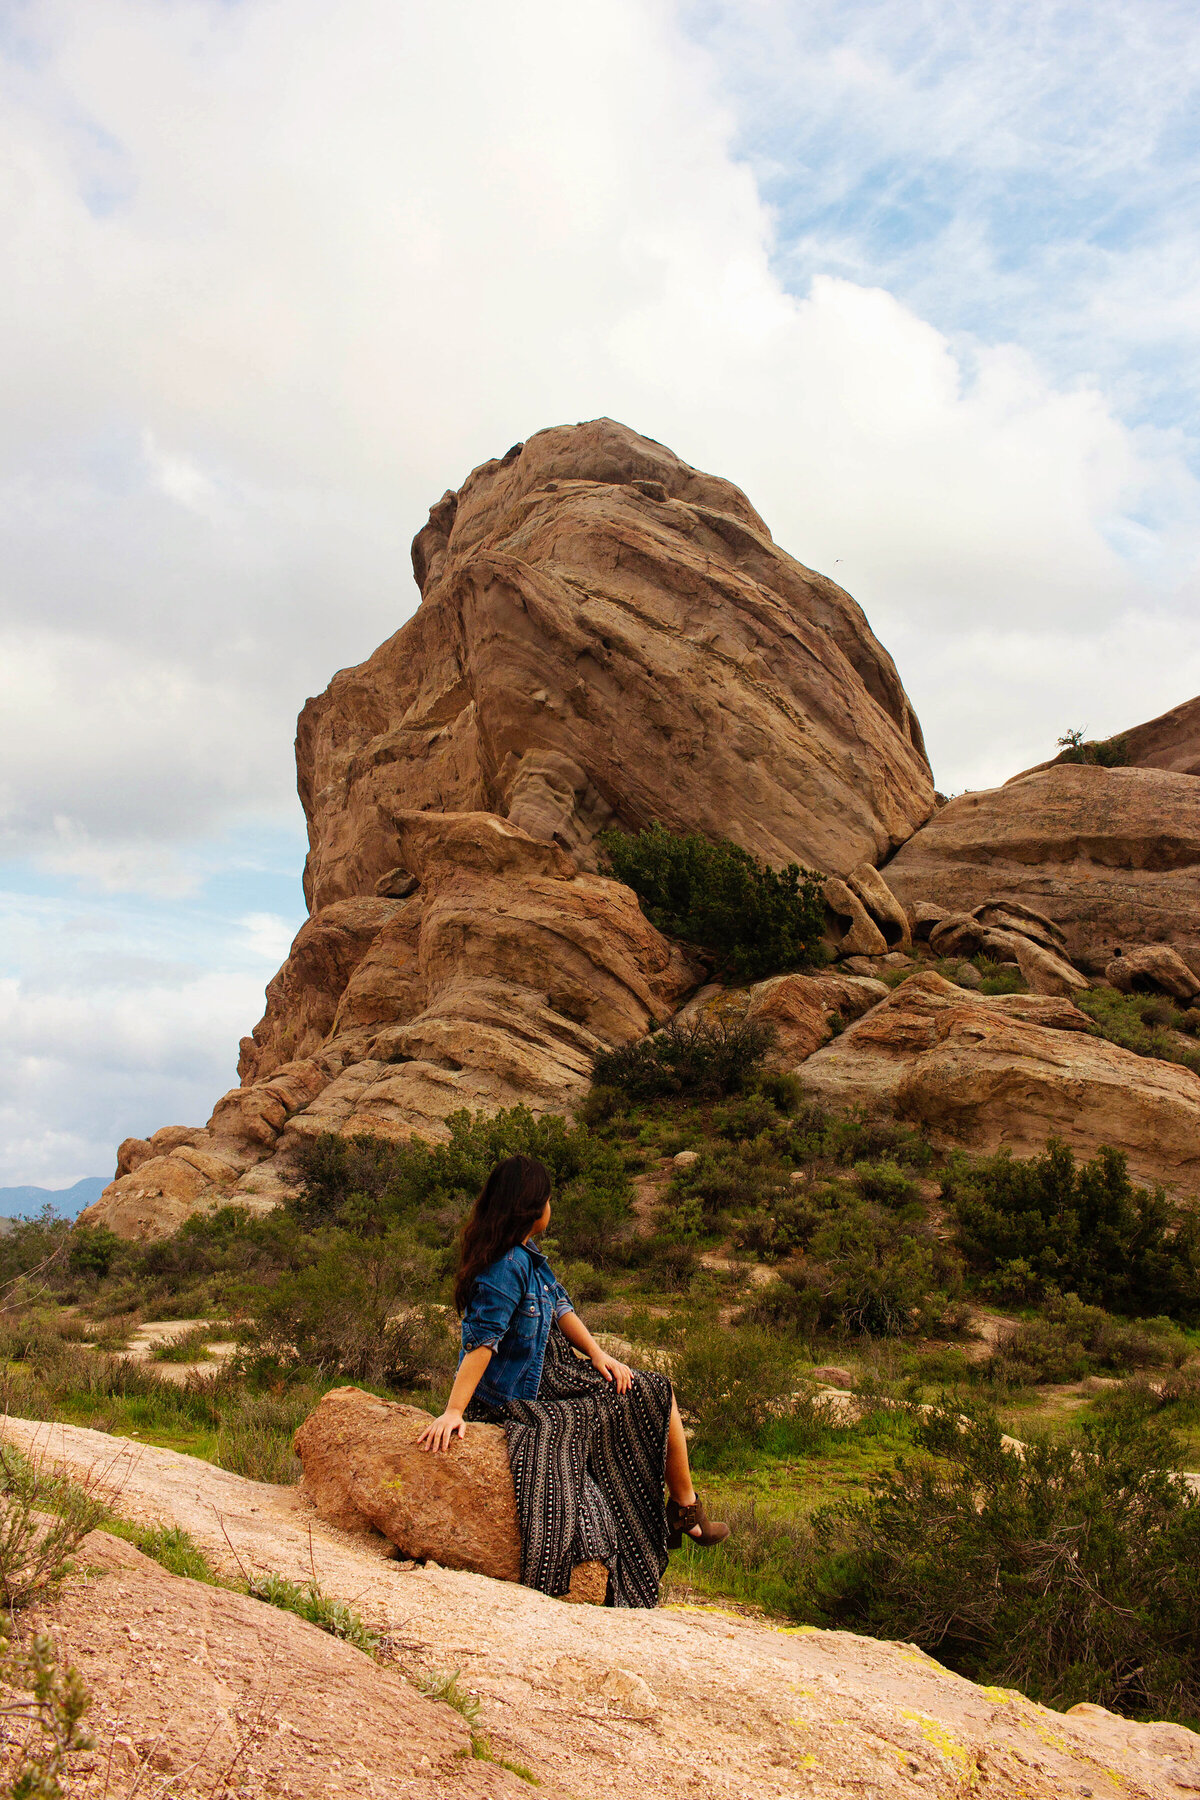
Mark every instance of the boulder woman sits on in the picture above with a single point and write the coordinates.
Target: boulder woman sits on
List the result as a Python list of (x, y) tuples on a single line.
[(590, 1442)]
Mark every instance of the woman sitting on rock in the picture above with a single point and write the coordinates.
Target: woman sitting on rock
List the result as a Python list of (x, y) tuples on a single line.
[(590, 1442)]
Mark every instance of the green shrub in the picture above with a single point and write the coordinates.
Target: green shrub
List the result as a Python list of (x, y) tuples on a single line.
[(1029, 1226), (881, 1277), (189, 1347), (43, 1521), (783, 1090), (667, 1264), (818, 1135), (732, 1383), (1069, 1572), (1103, 753), (367, 1184), (1147, 1024), (355, 1311), (886, 1183), (747, 1117), (1069, 1340), (51, 1701), (753, 921), (583, 1282), (706, 1058), (93, 1249)]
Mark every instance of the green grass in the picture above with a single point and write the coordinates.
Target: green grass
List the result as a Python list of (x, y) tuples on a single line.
[(308, 1602), (168, 1545), (447, 1686)]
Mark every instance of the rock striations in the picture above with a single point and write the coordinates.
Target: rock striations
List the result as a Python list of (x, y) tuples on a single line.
[(1112, 856)]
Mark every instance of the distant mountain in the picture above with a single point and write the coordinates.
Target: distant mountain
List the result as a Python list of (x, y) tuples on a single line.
[(17, 1201)]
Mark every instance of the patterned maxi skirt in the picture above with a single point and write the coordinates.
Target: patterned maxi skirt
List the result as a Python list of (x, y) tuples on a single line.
[(588, 1466)]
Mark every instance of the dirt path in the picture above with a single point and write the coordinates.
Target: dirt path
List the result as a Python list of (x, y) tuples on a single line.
[(603, 1704)]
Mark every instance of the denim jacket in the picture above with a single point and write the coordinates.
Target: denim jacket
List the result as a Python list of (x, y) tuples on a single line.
[(511, 1309)]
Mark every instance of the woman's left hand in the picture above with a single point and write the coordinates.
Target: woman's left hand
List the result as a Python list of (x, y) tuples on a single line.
[(612, 1370)]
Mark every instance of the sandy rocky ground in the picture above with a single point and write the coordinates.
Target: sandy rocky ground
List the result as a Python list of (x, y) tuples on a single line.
[(204, 1692)]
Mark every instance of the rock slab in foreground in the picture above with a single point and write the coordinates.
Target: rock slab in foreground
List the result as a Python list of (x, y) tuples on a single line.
[(363, 1470), (198, 1692), (1007, 1071), (683, 1700)]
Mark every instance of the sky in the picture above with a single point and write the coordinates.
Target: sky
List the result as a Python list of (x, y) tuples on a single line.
[(921, 277)]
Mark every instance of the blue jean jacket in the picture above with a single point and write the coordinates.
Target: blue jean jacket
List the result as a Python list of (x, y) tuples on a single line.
[(513, 1304)]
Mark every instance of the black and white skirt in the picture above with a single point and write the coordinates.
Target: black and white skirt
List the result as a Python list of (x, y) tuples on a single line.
[(588, 1466)]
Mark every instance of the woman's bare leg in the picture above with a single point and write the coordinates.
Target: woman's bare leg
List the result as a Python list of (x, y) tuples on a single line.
[(679, 1474)]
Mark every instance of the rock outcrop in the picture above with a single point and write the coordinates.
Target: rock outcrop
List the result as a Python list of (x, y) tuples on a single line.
[(803, 1011), (615, 1709), (607, 635), (1010, 1070), (494, 984), (1111, 856), (1172, 741)]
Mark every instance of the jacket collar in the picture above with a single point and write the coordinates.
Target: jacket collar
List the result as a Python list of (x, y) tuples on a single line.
[(534, 1252)]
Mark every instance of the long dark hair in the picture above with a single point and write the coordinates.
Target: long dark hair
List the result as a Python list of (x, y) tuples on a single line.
[(510, 1203)]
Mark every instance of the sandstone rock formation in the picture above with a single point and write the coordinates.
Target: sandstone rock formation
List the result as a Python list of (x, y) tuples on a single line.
[(605, 634), (608, 635), (495, 983), (1155, 968), (684, 1699), (1008, 933), (982, 1073), (802, 1010), (1111, 856)]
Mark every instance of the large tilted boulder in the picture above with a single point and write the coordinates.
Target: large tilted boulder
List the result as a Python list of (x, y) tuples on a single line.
[(609, 635), (1010, 1070), (1111, 856), (456, 1507)]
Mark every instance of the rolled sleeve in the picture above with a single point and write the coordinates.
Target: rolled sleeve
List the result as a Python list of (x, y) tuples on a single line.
[(562, 1300), (488, 1316)]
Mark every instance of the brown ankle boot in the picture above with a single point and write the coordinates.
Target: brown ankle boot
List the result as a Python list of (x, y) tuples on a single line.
[(681, 1519)]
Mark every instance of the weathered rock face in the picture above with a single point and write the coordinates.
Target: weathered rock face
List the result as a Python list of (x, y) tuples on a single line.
[(606, 634), (1012, 1070), (364, 1472), (196, 1690), (802, 1010), (1112, 856), (610, 1704), (494, 984)]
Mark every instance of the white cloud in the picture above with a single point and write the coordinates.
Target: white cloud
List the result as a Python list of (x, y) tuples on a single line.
[(268, 935), (279, 273)]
